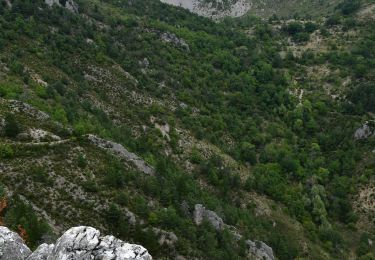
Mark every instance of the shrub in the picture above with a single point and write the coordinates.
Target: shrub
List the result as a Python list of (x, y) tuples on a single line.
[(81, 161), (39, 174), (22, 215), (12, 128), (9, 90), (6, 151), (90, 186), (349, 6)]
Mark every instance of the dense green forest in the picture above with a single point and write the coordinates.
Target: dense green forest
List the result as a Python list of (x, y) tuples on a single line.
[(259, 119)]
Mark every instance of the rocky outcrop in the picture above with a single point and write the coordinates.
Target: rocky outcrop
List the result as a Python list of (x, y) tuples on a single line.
[(257, 250), (77, 243), (42, 252), (12, 246), (38, 135), (121, 152), (365, 131), (69, 4), (165, 237), (20, 107), (213, 9), (8, 3), (201, 213), (172, 38)]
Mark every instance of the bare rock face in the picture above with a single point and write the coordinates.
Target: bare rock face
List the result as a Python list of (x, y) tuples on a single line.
[(12, 246), (84, 243), (259, 250), (121, 152), (201, 213), (69, 4), (18, 106), (172, 38), (8, 3), (364, 132), (42, 252), (165, 237), (212, 9)]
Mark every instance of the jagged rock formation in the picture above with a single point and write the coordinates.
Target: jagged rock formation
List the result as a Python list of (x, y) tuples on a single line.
[(172, 38), (12, 246), (121, 152), (42, 252), (201, 213), (257, 250), (365, 131), (69, 4), (77, 243)]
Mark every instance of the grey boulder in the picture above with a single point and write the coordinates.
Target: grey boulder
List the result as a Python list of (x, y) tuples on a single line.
[(12, 247), (83, 243)]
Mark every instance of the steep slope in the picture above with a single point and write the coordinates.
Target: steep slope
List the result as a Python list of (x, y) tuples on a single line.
[(192, 138), (266, 8)]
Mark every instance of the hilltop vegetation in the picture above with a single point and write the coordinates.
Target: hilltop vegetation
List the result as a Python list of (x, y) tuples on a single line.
[(254, 119)]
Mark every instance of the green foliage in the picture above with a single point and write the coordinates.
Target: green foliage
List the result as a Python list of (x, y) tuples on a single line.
[(10, 90), (22, 214), (363, 96), (12, 127), (6, 151), (60, 115), (39, 174), (90, 186), (195, 156), (234, 90), (364, 246), (114, 176), (2, 190), (81, 161), (348, 7)]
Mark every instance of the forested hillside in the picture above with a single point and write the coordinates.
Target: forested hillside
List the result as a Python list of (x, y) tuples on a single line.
[(198, 139)]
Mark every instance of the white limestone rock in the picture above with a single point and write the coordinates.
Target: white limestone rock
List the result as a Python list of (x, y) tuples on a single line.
[(84, 243), (259, 250), (165, 237), (42, 252), (121, 152), (69, 4), (39, 135), (365, 131), (201, 213), (12, 247), (214, 10), (172, 38), (20, 107)]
